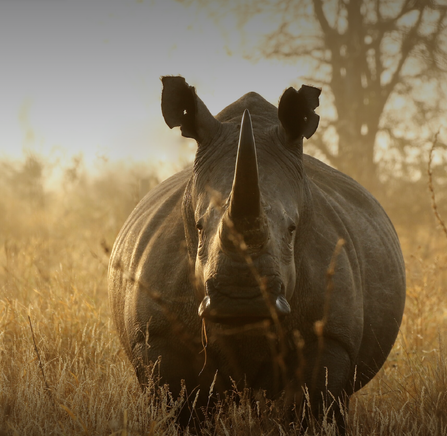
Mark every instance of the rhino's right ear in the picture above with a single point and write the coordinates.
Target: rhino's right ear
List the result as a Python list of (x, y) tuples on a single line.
[(181, 107), (296, 112)]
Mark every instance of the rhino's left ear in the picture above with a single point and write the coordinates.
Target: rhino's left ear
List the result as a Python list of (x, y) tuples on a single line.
[(181, 107), (296, 112)]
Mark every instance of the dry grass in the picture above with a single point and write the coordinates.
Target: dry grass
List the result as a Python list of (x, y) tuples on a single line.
[(53, 265)]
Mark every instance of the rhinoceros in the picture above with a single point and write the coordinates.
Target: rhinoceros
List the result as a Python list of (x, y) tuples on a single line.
[(257, 265)]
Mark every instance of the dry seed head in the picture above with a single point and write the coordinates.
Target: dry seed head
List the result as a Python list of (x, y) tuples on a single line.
[(319, 327)]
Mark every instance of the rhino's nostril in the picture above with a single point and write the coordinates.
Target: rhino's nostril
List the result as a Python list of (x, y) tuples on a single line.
[(204, 306), (282, 305)]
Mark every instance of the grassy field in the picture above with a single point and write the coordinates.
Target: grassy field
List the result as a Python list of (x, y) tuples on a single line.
[(62, 369)]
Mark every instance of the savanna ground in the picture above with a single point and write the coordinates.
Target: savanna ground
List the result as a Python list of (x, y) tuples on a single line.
[(62, 369)]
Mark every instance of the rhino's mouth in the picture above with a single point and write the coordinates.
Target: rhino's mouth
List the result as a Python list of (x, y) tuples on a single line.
[(243, 306)]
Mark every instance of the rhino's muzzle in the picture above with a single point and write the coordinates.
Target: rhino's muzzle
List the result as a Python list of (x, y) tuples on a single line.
[(243, 308)]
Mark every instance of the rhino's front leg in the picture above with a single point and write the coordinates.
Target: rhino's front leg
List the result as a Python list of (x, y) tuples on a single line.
[(320, 382), (170, 361), (164, 364)]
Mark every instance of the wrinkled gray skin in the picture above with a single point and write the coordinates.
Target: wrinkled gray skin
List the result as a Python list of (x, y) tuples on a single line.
[(181, 249)]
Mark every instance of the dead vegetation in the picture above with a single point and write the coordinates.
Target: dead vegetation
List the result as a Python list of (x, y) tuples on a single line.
[(68, 374)]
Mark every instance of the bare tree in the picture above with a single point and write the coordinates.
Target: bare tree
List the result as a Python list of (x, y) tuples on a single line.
[(383, 63)]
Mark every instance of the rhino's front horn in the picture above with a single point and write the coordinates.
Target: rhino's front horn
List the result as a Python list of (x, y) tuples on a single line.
[(245, 196), (245, 211)]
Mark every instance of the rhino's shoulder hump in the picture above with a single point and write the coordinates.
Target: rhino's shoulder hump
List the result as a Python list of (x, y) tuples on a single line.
[(256, 104), (329, 180), (353, 204), (158, 210)]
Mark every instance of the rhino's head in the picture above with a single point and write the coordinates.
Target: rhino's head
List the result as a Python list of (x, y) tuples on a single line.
[(246, 206)]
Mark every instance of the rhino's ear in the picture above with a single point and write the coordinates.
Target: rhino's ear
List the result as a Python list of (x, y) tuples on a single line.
[(296, 112), (181, 107)]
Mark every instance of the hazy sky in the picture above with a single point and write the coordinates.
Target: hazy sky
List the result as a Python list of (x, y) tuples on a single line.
[(83, 76)]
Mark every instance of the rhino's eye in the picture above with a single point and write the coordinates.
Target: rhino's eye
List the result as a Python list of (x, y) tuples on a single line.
[(199, 227), (292, 228)]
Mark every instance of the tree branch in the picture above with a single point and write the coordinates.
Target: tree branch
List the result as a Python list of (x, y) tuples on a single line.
[(329, 33), (406, 47)]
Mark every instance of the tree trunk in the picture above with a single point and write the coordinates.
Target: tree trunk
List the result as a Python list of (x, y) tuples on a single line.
[(357, 96), (356, 156)]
